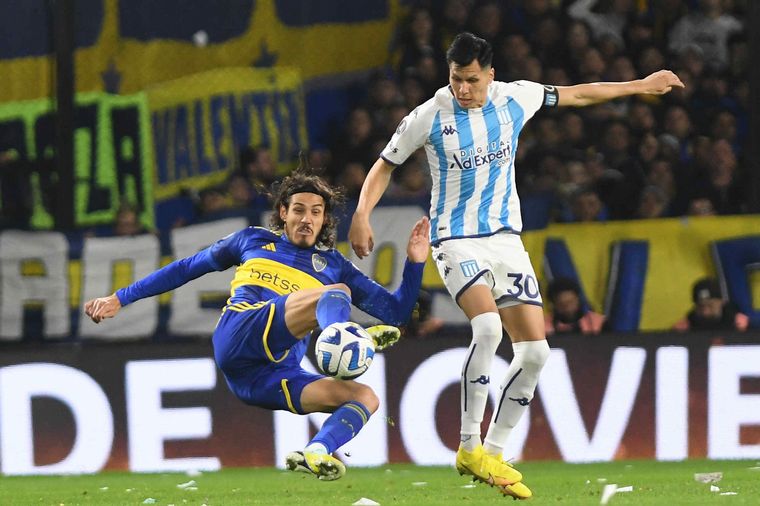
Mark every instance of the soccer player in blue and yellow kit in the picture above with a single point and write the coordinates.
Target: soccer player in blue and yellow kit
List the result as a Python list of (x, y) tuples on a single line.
[(289, 280), (470, 132)]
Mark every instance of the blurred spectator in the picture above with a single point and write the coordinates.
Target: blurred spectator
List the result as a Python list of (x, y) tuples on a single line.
[(622, 69), (701, 206), (486, 20), (567, 314), (660, 174), (212, 204), (709, 28), (392, 120), (739, 55), (711, 311), (242, 200), (510, 55), (319, 160), (592, 67), (724, 127), (653, 203), (649, 149), (692, 59), (650, 60), (384, 94), (573, 132), (616, 144), (587, 206), (417, 38), (678, 124), (611, 22), (641, 118), (573, 177), (239, 190), (577, 41), (355, 141), (411, 180), (128, 221), (258, 166), (413, 92), (723, 186), (557, 75), (547, 40), (428, 73), (454, 20), (351, 178)]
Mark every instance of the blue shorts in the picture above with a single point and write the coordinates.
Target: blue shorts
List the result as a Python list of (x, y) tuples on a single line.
[(259, 356)]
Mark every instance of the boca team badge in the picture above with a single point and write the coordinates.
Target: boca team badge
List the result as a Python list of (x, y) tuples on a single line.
[(318, 262)]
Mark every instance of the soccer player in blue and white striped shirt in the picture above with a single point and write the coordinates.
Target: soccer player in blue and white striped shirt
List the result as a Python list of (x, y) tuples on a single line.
[(470, 132)]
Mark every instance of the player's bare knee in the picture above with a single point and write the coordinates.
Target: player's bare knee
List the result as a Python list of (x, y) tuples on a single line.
[(367, 397)]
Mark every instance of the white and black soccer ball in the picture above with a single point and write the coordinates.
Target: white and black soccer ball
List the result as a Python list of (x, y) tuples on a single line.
[(344, 350)]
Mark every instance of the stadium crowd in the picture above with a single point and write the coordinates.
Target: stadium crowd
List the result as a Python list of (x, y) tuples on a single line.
[(637, 158)]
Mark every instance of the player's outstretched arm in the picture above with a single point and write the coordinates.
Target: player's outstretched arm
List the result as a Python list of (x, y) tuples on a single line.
[(360, 234), (102, 307), (163, 280), (580, 95)]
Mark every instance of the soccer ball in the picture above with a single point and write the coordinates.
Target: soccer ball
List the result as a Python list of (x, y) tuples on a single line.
[(344, 350)]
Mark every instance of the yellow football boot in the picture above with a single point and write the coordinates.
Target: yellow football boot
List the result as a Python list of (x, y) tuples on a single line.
[(486, 468), (323, 466), (384, 336)]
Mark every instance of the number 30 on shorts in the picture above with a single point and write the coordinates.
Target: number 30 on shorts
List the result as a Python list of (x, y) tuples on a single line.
[(523, 284)]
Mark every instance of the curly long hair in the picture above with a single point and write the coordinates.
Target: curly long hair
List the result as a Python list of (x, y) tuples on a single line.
[(302, 181)]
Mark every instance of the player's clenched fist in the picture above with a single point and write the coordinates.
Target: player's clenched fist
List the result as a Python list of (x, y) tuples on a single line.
[(102, 307)]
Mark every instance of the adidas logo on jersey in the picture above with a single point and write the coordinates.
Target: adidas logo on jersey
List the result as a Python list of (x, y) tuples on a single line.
[(269, 247)]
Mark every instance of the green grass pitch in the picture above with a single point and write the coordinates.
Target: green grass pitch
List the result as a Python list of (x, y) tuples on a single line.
[(551, 482)]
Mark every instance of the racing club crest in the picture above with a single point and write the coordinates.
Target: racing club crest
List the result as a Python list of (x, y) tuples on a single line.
[(318, 262)]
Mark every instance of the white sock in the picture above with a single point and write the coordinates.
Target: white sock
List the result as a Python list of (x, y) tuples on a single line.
[(516, 392), (316, 448), (476, 371)]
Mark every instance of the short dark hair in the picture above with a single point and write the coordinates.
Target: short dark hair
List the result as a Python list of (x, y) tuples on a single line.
[(706, 288), (560, 285), (468, 47), (302, 181)]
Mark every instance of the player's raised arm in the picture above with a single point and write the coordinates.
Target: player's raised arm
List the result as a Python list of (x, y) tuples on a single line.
[(418, 248), (360, 234), (580, 95)]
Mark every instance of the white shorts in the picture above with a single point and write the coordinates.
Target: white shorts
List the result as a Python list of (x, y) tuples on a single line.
[(498, 261)]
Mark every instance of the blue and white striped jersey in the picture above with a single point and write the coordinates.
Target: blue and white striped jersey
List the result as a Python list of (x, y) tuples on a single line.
[(471, 155)]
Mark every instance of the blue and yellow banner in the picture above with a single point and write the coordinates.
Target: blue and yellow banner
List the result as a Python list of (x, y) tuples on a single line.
[(127, 46), (201, 122), (679, 254)]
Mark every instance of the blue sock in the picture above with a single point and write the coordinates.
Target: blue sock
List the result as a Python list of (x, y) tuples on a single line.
[(342, 426), (333, 306)]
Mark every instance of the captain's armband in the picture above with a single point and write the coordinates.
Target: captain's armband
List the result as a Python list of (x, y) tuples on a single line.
[(551, 96)]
